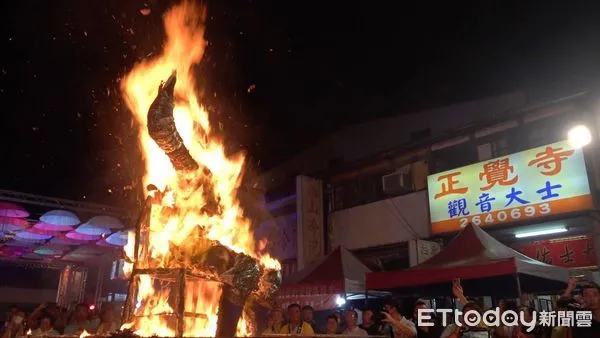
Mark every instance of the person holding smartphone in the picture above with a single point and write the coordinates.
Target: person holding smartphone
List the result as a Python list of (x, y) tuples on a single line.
[(397, 325)]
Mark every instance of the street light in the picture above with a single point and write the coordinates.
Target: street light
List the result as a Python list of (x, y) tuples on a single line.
[(580, 136)]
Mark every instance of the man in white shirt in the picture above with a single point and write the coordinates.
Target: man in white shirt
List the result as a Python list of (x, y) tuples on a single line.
[(352, 328)]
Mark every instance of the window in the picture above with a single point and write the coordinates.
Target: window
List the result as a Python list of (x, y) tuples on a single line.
[(357, 191), (379, 185)]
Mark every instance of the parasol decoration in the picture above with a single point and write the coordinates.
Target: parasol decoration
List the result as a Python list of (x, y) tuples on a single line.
[(93, 230), (62, 240), (9, 209), (60, 217), (50, 250), (105, 244), (22, 243), (9, 224), (81, 237), (33, 256), (32, 236), (118, 238), (52, 227), (38, 231), (104, 221)]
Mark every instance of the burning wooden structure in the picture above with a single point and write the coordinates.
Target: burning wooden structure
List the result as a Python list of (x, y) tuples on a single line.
[(195, 267), (236, 278)]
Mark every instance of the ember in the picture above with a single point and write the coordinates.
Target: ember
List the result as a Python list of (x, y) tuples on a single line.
[(193, 260)]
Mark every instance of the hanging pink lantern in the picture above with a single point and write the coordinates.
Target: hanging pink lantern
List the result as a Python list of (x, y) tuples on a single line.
[(52, 227), (105, 222), (12, 224), (60, 217), (8, 209), (81, 237)]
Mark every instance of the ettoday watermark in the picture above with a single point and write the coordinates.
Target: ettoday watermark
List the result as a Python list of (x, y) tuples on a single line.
[(493, 318)]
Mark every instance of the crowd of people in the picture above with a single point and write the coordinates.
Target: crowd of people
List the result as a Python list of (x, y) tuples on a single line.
[(49, 319), (390, 322)]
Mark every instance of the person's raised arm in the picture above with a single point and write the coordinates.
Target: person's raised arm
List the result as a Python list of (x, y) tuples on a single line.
[(37, 312), (457, 290), (570, 287), (404, 327)]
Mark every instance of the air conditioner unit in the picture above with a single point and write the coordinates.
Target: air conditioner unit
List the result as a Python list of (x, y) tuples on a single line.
[(397, 182)]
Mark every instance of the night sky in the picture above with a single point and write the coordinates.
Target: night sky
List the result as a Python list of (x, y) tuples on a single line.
[(278, 75)]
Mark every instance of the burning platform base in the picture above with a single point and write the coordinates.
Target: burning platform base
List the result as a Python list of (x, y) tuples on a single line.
[(210, 296)]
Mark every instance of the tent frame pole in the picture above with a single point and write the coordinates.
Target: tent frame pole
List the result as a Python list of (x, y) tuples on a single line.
[(518, 288)]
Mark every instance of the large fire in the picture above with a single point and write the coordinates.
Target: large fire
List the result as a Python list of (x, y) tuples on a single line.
[(170, 232)]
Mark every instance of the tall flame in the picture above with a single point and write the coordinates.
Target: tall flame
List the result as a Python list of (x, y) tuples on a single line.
[(169, 236)]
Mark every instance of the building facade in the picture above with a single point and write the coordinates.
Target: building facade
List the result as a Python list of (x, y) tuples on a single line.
[(380, 180)]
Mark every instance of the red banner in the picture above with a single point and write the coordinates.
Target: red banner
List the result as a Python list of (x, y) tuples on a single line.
[(312, 289), (569, 252), (318, 302), (321, 296)]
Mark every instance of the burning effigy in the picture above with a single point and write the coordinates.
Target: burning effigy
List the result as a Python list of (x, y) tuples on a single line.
[(195, 269)]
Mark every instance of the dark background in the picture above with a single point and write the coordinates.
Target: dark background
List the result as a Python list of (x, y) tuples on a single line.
[(313, 67)]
